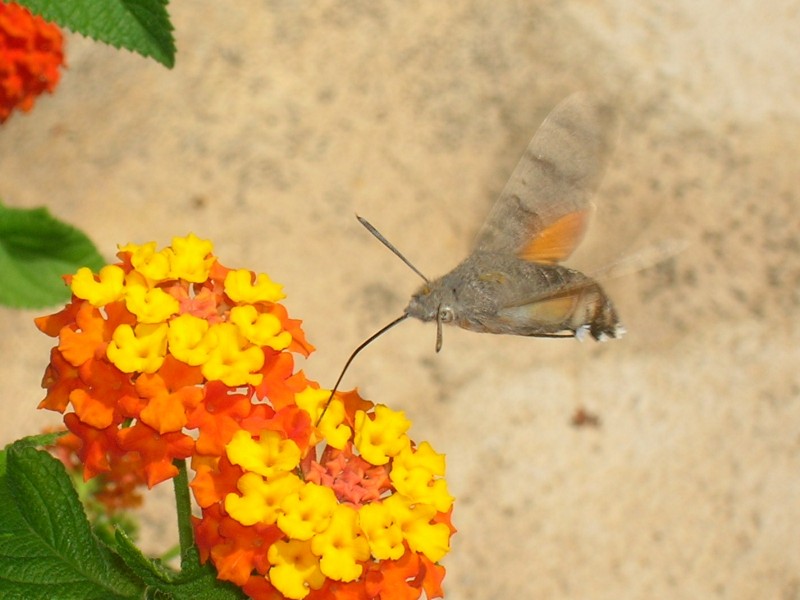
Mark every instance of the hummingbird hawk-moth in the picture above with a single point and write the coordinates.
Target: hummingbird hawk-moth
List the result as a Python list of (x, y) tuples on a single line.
[(512, 281)]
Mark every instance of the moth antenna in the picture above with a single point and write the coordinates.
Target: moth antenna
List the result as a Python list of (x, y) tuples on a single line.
[(361, 346), (389, 245)]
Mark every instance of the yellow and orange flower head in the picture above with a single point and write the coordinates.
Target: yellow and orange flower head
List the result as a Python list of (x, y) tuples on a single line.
[(151, 346), (30, 57), (359, 510), (170, 355)]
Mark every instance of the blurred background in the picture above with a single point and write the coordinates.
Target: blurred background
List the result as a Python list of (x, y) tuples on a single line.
[(663, 465)]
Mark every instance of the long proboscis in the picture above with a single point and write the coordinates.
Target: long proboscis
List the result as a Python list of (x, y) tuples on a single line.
[(361, 346)]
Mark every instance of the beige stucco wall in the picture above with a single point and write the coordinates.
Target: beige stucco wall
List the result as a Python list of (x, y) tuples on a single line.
[(281, 120)]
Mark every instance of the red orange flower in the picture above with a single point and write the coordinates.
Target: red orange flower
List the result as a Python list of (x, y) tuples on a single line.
[(146, 355), (341, 528), (107, 498), (30, 57), (170, 355)]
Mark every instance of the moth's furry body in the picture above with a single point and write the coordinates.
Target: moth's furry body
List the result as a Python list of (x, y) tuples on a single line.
[(498, 293)]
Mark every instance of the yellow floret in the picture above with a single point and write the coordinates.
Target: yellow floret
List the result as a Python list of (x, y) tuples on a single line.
[(382, 531), (239, 287), (332, 427), (109, 289), (260, 500), (383, 437), (269, 456), (341, 546), (415, 475), (147, 261), (190, 258), (139, 350), (260, 329), (432, 539), (187, 339), (295, 570), (307, 511), (231, 358), (150, 305)]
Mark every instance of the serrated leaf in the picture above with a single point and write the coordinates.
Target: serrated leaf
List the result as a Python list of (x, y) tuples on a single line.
[(47, 549), (141, 26), (152, 572), (203, 585), (200, 584), (36, 249), (42, 439)]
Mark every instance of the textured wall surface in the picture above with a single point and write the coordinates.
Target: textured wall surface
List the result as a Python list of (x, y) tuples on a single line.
[(279, 122)]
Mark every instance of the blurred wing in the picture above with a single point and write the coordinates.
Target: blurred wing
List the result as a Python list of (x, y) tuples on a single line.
[(544, 210)]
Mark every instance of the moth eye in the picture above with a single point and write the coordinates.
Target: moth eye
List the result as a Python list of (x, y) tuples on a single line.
[(446, 314)]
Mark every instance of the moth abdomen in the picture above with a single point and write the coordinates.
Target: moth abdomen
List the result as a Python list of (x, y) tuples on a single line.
[(598, 315)]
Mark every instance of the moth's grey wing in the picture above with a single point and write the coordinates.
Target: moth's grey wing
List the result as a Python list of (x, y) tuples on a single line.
[(553, 182)]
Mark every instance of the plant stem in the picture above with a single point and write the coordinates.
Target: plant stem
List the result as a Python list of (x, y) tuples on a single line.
[(189, 557)]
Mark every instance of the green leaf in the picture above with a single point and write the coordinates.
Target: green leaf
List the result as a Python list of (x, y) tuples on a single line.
[(200, 584), (152, 572), (141, 26), (42, 439), (47, 549), (35, 251), (203, 585)]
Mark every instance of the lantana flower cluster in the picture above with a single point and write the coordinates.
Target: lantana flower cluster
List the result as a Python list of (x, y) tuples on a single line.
[(30, 57), (170, 355)]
